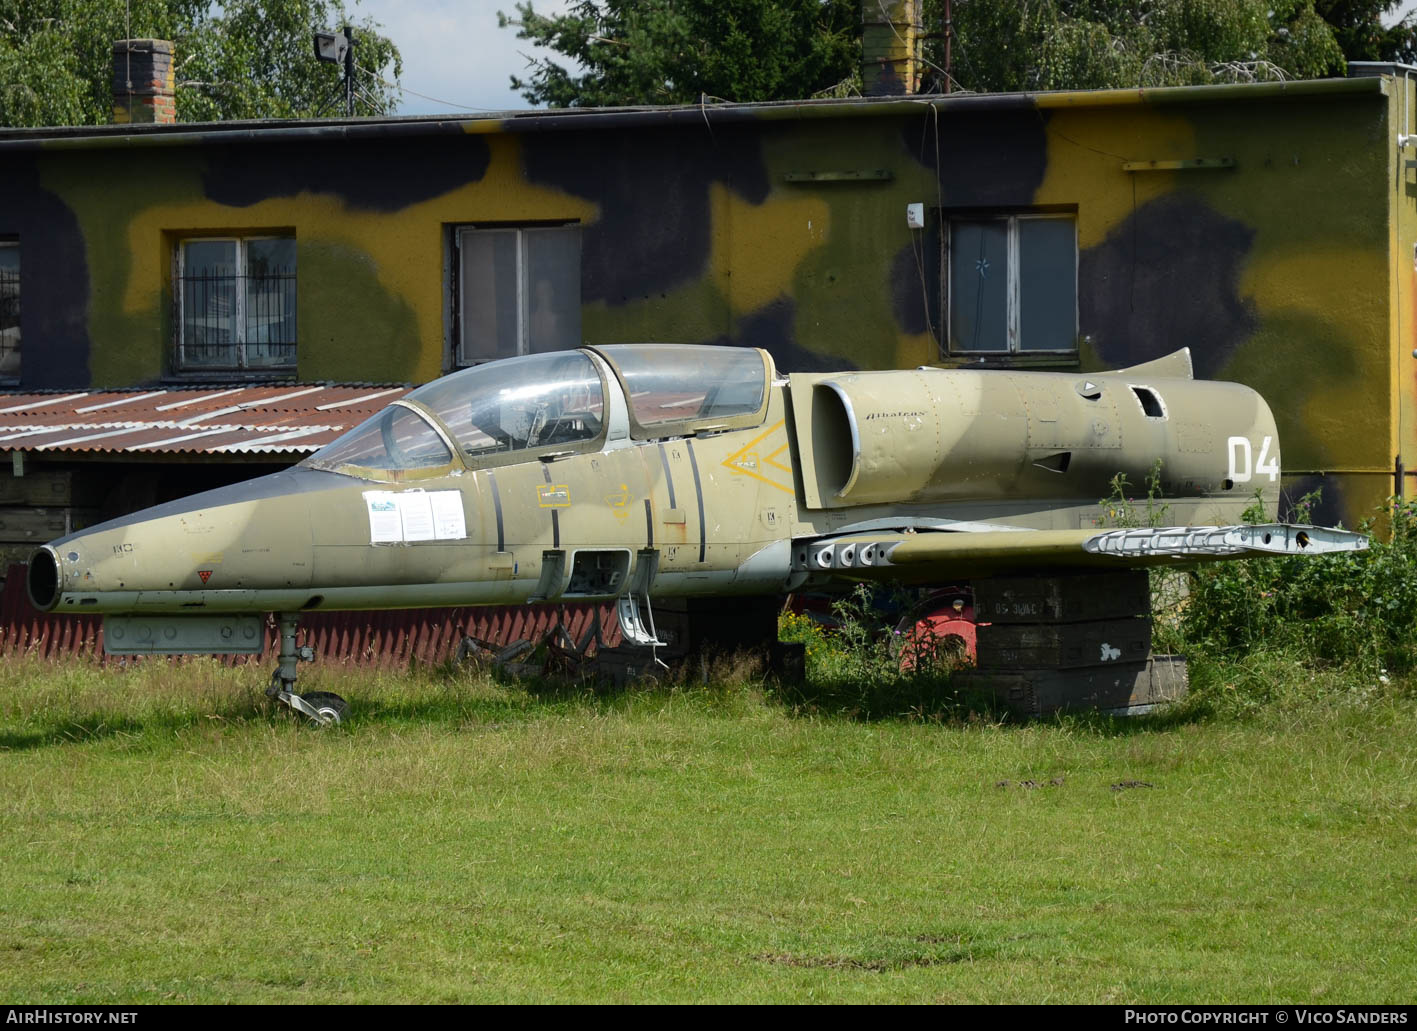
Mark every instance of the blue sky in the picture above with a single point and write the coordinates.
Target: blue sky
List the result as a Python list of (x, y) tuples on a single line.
[(454, 51)]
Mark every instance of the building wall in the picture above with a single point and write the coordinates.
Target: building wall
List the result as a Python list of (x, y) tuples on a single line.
[(1275, 273), (1400, 180), (1278, 272)]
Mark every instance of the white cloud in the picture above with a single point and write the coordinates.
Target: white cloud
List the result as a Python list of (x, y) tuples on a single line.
[(453, 51)]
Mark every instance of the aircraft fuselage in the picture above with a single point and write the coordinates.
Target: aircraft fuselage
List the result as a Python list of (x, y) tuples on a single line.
[(576, 489)]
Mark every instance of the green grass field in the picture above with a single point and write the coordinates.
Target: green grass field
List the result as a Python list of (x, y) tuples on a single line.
[(165, 837)]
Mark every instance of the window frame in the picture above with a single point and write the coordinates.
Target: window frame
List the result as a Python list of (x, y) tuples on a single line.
[(8, 242), (460, 360), (240, 366), (1013, 289)]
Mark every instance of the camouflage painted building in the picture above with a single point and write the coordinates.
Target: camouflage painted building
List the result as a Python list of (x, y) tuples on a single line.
[(1270, 228)]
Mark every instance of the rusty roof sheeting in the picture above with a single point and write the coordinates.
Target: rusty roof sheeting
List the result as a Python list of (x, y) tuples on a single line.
[(290, 419)]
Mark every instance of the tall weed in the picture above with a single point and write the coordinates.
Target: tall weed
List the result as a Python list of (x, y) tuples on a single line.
[(1356, 608), (854, 667)]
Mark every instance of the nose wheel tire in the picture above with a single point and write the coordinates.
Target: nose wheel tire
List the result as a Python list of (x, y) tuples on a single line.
[(321, 707), (331, 708)]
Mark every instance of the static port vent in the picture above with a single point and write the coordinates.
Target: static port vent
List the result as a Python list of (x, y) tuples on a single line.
[(1150, 402)]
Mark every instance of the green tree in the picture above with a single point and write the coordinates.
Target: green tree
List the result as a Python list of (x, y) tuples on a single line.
[(676, 51), (1095, 44), (1358, 26), (234, 59)]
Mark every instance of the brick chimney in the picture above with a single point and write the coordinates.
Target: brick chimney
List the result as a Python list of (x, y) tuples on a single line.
[(890, 47), (142, 82)]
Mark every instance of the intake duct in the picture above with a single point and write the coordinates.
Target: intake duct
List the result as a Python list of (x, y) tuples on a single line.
[(42, 580), (890, 437)]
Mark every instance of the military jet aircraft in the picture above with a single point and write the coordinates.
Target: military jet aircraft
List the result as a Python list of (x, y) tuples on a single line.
[(643, 471)]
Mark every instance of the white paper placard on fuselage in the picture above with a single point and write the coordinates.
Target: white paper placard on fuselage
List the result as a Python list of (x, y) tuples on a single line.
[(448, 522), (415, 515), (385, 523)]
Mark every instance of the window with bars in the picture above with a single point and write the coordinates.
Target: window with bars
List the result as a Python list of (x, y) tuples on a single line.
[(1012, 283), (235, 301), (9, 311), (517, 290)]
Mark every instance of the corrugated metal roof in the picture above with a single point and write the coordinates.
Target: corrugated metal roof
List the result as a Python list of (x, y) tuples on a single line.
[(277, 419)]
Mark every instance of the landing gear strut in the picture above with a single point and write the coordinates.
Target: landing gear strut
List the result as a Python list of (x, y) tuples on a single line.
[(322, 707)]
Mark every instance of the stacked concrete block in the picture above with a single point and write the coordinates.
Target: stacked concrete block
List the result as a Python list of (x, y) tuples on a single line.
[(1049, 644)]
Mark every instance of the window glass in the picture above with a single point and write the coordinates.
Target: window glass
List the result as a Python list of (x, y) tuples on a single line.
[(396, 439), (553, 291), (1013, 283), (1047, 284), (208, 302), (979, 285), (270, 301), (9, 310), (674, 383), (209, 258), (238, 303), (533, 401), (489, 294), (519, 291)]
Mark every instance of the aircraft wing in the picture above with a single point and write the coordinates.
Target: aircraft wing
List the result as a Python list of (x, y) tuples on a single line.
[(929, 555)]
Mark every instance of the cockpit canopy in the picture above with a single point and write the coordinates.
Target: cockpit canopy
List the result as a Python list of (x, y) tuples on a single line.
[(519, 404), (535, 405), (682, 388)]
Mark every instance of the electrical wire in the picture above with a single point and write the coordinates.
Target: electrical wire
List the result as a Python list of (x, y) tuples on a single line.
[(918, 251), (964, 55), (366, 96), (918, 58), (404, 89), (128, 53), (941, 346)]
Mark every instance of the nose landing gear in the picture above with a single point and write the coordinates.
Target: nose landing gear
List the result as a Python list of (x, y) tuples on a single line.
[(322, 707)]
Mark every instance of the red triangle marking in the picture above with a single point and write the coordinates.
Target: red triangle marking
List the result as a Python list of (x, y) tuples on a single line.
[(205, 574)]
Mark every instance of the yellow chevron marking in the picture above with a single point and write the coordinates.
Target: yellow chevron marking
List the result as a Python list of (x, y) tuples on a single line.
[(745, 460), (770, 460)]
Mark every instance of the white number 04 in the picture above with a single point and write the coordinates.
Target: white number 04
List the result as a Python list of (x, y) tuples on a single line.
[(1243, 467)]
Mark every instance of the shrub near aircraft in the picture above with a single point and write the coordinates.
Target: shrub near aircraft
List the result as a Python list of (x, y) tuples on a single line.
[(640, 471)]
